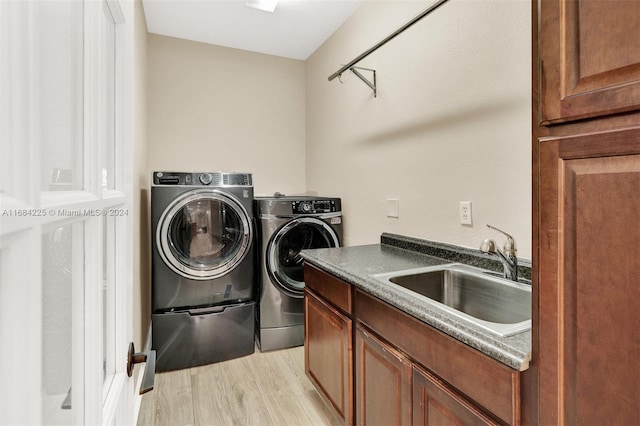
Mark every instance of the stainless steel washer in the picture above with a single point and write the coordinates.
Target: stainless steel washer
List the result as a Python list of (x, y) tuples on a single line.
[(286, 226), (203, 268)]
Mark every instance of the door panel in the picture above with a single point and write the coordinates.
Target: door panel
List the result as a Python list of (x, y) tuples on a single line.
[(64, 331), (383, 382), (60, 96), (588, 72), (600, 309), (435, 404), (62, 322), (20, 324), (328, 360), (589, 237)]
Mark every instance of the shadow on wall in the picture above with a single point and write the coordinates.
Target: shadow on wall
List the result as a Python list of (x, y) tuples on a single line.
[(444, 119), (145, 264)]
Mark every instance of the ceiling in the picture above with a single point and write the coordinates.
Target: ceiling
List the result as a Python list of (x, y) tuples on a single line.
[(294, 30)]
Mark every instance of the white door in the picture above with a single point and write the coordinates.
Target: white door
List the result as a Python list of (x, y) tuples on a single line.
[(65, 212)]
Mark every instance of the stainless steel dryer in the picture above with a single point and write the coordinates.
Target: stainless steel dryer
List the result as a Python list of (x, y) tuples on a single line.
[(286, 226), (203, 259)]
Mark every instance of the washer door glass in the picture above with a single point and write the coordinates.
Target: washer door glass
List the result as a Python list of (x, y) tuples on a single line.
[(284, 263), (204, 234)]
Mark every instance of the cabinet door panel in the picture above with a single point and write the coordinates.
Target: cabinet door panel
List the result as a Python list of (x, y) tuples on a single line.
[(589, 332), (327, 348), (460, 365), (434, 404), (383, 382), (590, 58)]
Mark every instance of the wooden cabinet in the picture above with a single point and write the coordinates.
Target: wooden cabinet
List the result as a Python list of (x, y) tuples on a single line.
[(490, 386), (586, 222), (383, 382), (328, 338), (405, 371), (589, 327), (589, 58), (391, 390), (435, 404)]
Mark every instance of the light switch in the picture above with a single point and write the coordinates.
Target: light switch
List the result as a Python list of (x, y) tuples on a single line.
[(393, 207), (465, 213)]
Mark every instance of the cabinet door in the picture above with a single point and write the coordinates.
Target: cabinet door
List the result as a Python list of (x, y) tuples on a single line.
[(589, 297), (328, 357), (436, 404), (589, 58), (383, 382)]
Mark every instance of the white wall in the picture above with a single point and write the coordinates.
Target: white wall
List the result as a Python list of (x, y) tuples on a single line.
[(451, 123), (212, 108)]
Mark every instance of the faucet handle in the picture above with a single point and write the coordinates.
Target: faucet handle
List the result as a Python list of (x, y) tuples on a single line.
[(510, 246)]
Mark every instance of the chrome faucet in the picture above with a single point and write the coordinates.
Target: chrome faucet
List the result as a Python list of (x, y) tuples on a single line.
[(507, 256)]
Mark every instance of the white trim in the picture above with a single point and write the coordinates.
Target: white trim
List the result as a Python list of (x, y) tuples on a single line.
[(116, 11), (57, 198), (111, 406), (122, 13), (81, 336)]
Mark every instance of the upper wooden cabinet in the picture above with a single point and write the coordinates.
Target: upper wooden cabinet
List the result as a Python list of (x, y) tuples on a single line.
[(589, 58)]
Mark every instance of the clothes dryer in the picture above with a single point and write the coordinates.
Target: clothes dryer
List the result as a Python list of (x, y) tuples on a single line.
[(203, 259), (286, 226)]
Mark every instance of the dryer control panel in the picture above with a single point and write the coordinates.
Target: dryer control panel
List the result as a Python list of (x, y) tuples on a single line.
[(314, 206)]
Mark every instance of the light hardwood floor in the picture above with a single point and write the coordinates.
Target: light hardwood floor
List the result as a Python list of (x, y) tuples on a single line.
[(265, 388)]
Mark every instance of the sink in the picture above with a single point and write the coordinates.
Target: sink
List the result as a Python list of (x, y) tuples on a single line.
[(497, 305)]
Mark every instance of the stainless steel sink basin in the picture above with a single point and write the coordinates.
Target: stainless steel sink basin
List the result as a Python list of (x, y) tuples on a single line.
[(496, 305)]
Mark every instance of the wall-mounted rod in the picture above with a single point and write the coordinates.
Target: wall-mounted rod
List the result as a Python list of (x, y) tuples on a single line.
[(389, 37)]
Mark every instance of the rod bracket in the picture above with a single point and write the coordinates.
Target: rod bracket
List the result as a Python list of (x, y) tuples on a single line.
[(372, 85)]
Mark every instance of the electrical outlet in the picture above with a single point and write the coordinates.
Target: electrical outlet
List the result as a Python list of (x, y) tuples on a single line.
[(465, 213)]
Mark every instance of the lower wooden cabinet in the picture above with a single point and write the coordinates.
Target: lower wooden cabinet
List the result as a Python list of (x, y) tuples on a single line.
[(383, 382), (391, 390), (434, 403), (490, 386), (401, 371), (328, 358)]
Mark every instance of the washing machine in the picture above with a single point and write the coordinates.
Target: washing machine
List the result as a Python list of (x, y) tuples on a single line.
[(286, 226), (204, 287)]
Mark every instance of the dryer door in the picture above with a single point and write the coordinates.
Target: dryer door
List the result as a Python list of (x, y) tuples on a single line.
[(283, 260), (204, 234)]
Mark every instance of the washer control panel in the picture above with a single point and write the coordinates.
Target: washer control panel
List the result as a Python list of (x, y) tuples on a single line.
[(314, 206), (202, 179)]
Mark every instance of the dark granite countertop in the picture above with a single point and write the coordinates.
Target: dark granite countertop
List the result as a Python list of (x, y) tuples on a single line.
[(356, 265)]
